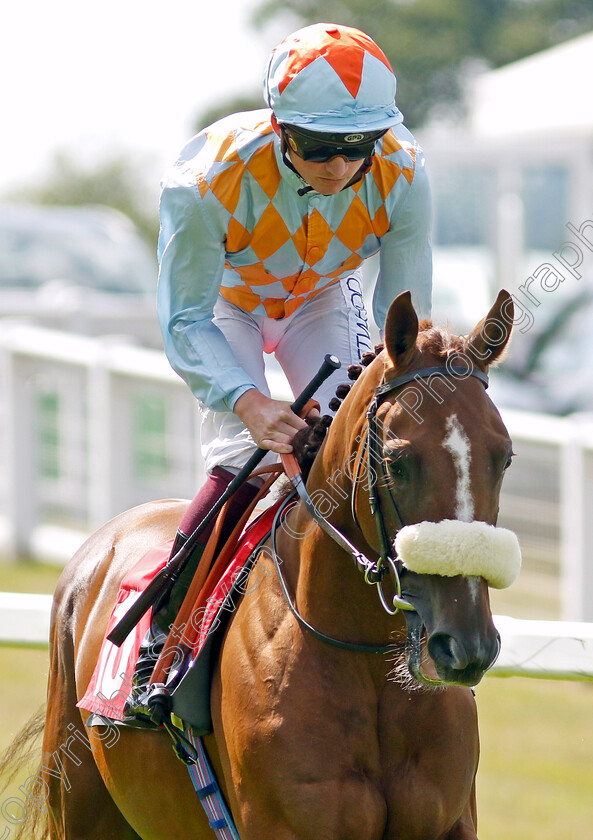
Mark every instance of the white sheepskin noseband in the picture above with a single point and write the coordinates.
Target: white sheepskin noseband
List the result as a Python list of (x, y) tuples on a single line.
[(453, 547)]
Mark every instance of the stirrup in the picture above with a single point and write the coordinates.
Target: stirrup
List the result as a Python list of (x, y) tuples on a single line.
[(136, 705), (151, 646)]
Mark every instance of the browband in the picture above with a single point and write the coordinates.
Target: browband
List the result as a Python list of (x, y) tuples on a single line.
[(387, 387)]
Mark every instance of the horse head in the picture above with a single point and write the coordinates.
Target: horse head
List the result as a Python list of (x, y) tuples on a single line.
[(427, 451)]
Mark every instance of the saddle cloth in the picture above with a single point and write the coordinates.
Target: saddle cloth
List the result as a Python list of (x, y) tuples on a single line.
[(111, 682)]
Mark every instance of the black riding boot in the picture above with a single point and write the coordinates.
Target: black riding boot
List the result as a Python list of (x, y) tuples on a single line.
[(164, 615), (165, 611)]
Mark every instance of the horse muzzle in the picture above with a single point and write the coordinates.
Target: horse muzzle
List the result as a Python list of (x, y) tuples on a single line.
[(441, 658), (451, 639)]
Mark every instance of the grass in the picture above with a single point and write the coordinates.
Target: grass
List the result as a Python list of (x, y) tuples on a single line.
[(536, 772), (28, 576), (24, 678)]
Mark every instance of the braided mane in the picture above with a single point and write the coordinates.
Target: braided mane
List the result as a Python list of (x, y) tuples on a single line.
[(437, 341)]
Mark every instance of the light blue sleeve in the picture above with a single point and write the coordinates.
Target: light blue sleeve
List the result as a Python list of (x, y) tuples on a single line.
[(191, 261), (406, 251)]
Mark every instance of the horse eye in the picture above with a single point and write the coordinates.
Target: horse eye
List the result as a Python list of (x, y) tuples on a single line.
[(509, 461), (396, 468)]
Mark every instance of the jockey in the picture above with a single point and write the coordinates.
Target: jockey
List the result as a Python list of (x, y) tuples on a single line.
[(266, 220)]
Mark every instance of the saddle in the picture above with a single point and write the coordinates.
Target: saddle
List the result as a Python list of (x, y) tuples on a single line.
[(191, 694), (186, 663)]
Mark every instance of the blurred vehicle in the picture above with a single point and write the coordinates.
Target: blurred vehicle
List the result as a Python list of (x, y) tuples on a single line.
[(82, 269), (547, 367)]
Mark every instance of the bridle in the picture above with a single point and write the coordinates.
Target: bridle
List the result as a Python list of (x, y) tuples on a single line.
[(387, 562), (376, 467)]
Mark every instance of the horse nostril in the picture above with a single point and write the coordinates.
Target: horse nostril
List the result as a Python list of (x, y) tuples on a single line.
[(447, 651)]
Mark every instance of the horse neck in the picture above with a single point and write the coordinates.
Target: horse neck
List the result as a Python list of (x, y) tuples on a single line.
[(329, 584)]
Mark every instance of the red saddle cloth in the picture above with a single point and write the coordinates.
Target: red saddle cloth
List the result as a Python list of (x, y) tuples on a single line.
[(111, 682)]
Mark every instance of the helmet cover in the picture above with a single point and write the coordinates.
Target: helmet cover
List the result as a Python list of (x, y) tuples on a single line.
[(331, 78)]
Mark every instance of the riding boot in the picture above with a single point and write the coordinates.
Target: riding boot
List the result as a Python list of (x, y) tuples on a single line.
[(162, 618), (165, 611)]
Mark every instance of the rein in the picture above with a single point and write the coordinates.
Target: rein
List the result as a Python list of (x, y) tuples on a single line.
[(330, 640), (373, 571)]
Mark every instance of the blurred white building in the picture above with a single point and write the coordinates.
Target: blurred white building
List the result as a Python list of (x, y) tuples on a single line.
[(545, 97), (513, 175)]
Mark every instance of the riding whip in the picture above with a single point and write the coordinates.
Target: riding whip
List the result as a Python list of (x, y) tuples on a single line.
[(169, 573)]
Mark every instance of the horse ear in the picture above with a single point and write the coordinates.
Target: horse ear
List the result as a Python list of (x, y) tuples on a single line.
[(401, 330), (487, 342)]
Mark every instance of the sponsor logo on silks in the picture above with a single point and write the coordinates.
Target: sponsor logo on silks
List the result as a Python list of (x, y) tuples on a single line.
[(362, 333), (353, 138)]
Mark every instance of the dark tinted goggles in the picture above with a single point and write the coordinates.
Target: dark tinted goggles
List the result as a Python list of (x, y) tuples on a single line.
[(321, 147)]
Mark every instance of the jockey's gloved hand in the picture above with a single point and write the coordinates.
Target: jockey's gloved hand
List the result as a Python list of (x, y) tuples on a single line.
[(272, 423)]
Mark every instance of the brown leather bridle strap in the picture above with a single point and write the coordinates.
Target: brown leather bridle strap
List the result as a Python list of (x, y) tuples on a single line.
[(293, 471)]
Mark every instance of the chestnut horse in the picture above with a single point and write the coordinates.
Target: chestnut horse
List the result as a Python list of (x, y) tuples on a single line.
[(311, 739)]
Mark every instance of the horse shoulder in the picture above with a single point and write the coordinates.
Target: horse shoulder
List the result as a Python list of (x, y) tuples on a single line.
[(430, 743)]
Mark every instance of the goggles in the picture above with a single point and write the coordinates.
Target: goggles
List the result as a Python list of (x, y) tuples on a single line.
[(320, 147)]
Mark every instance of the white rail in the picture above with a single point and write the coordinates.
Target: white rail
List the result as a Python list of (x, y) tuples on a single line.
[(544, 649), (91, 427), (24, 619)]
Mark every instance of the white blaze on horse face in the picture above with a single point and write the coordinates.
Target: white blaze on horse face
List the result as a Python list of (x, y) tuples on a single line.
[(457, 443)]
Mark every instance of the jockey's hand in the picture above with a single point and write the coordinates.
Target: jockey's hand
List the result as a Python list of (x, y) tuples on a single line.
[(272, 423)]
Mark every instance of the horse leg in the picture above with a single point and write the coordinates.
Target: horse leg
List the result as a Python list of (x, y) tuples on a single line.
[(80, 807), (465, 827), (151, 787)]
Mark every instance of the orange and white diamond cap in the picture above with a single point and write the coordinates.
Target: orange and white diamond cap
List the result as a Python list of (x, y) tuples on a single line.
[(333, 78)]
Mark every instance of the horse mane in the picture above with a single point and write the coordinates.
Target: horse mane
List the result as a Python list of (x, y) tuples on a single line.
[(438, 341)]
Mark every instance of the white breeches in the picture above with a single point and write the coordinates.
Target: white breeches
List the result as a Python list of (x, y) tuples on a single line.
[(335, 321)]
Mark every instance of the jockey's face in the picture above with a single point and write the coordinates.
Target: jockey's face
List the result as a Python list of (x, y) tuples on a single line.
[(328, 177)]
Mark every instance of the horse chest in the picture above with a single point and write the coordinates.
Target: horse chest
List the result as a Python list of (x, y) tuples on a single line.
[(319, 744)]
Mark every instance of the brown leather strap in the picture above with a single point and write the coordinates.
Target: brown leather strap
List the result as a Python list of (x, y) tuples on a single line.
[(184, 633), (290, 464), (308, 406)]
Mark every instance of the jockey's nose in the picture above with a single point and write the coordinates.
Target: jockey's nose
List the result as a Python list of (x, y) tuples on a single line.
[(337, 165)]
